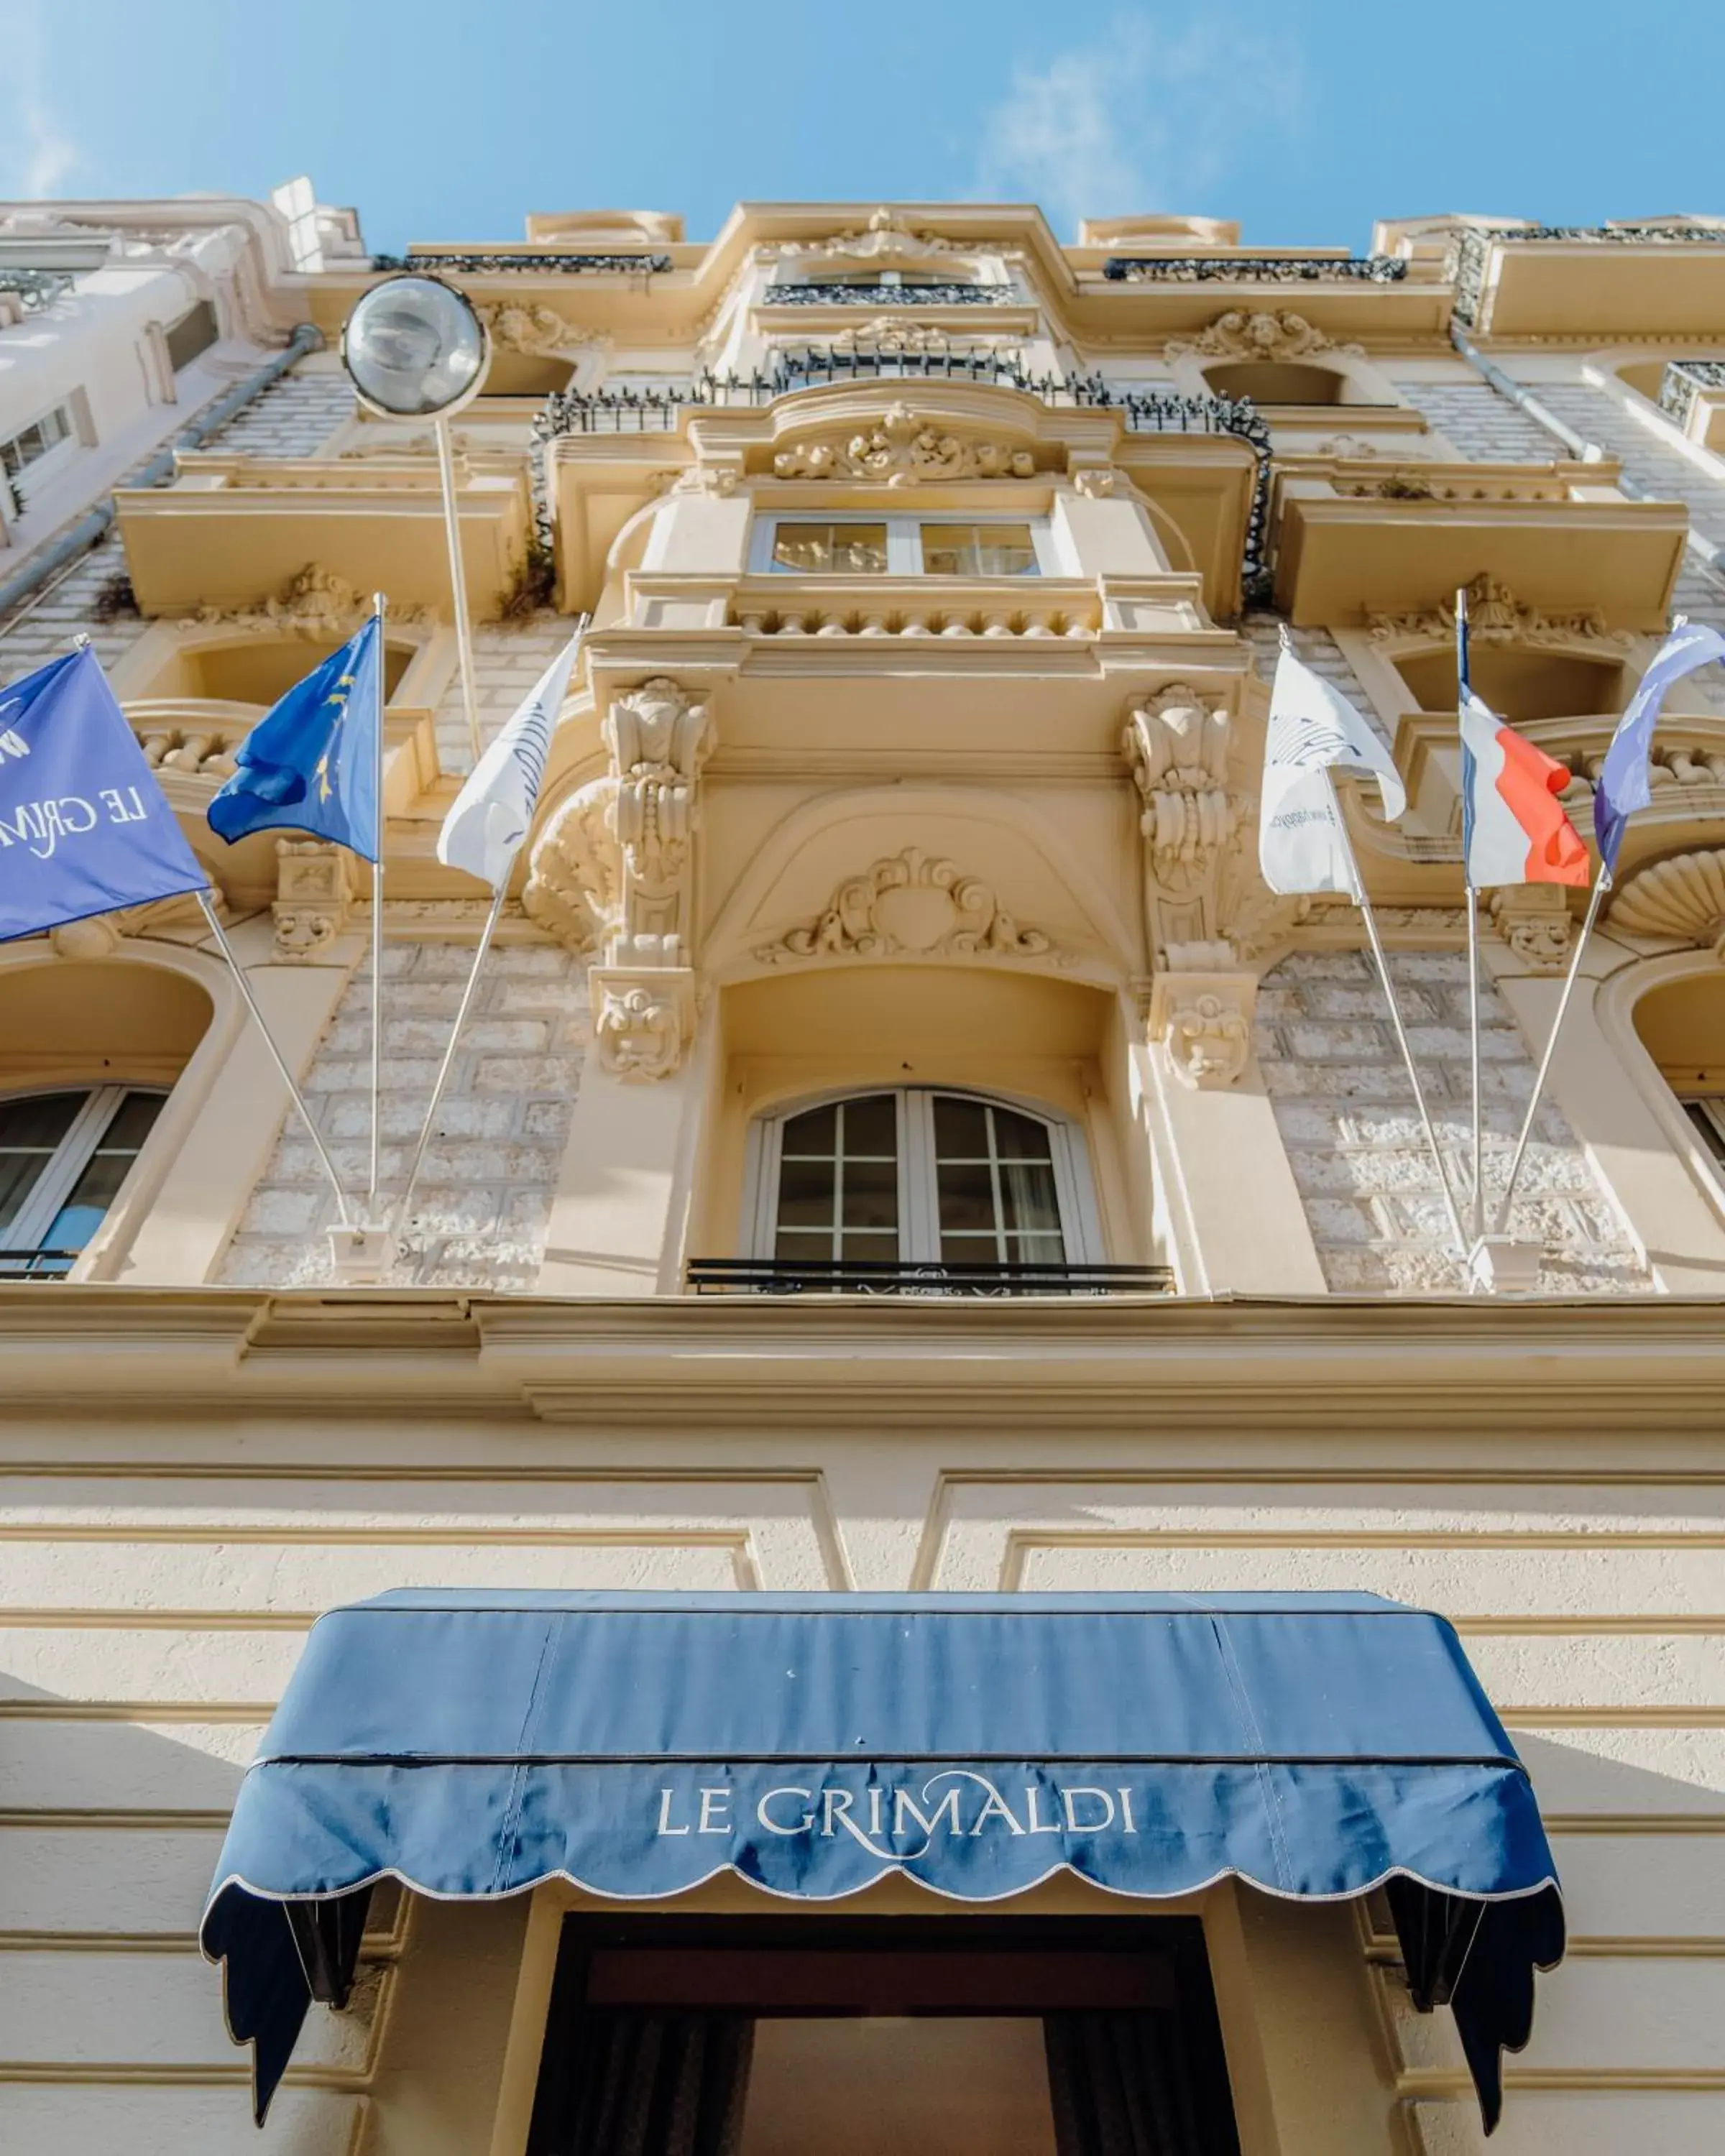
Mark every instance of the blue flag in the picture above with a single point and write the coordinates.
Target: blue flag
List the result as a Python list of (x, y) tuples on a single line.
[(310, 763), (1626, 783), (83, 826)]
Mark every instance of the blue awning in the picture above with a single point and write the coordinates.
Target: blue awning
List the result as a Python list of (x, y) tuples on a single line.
[(473, 1744)]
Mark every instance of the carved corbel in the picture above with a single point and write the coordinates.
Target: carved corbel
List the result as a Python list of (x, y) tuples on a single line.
[(574, 885), (643, 1019), (1533, 919), (659, 737), (314, 897), (1203, 1021)]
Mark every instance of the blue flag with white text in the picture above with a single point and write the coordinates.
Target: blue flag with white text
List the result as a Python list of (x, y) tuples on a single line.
[(1626, 783), (310, 763), (84, 826)]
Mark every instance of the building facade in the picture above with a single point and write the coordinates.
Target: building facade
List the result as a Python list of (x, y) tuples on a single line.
[(899, 1144)]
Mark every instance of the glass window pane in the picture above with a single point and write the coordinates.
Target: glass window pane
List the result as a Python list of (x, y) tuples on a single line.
[(131, 1126), (1027, 1197), (805, 549), (870, 1194), (42, 1119), (961, 1128), (871, 1127), (966, 1197), (860, 550), (1021, 1138), (805, 1193), (813, 1134), (945, 549), (18, 1172), (852, 550), (970, 1250), (978, 549), (1703, 1114), (92, 1194), (1036, 1250), (875, 1250), (799, 1248)]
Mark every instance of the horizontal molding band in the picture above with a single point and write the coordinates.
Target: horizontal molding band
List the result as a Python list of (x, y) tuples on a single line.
[(375, 1946), (1428, 2082), (1654, 1823), (101, 1818), (1395, 1538), (455, 1536), (299, 1469), (340, 2081)]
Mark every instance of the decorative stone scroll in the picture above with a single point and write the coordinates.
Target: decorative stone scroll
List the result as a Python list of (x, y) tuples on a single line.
[(611, 872), (316, 603), (904, 449), (537, 332), (1243, 334), (1495, 615), (1177, 747), (911, 903), (1682, 898)]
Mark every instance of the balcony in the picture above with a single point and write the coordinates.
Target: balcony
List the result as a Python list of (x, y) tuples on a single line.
[(1600, 281), (862, 1277), (875, 297), (1693, 393), (1353, 540)]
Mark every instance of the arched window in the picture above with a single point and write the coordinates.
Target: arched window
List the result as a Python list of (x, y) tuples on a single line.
[(63, 1157), (921, 1177)]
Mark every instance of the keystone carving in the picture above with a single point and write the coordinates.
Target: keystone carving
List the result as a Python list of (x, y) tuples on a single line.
[(1533, 919), (642, 1020), (1204, 1022), (1239, 334), (1495, 615), (1682, 898), (314, 897), (911, 902), (904, 450)]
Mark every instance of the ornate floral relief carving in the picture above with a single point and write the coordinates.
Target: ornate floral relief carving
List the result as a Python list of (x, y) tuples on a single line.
[(912, 902), (574, 876), (1240, 334), (314, 897), (1533, 919), (537, 332), (886, 235), (890, 333), (1495, 615), (1682, 898), (316, 603), (904, 450)]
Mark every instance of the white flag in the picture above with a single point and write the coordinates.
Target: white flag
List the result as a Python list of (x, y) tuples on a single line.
[(1302, 843), (483, 830)]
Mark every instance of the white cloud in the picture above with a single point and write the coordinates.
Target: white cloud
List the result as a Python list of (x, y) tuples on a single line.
[(37, 156), (1146, 118)]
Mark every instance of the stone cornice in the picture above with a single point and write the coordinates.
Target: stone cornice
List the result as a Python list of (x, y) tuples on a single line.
[(1387, 1371)]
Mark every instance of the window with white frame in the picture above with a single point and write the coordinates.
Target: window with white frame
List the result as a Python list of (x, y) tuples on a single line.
[(63, 1157), (813, 545), (920, 1176), (1707, 1115), (39, 440)]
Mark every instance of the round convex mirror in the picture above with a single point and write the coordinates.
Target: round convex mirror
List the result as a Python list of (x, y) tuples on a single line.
[(414, 348)]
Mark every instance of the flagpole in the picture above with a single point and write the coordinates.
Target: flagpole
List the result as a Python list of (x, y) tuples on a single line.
[(287, 1075), (457, 578), (443, 1075), (1370, 919), (1602, 884), (378, 920), (1473, 937)]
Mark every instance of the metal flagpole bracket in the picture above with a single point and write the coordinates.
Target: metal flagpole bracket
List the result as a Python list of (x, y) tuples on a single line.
[(361, 1256)]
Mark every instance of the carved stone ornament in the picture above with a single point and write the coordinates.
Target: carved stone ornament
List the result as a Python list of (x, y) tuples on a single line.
[(915, 903), (899, 333), (316, 603), (1533, 919), (314, 897), (1177, 748), (611, 869), (537, 332), (721, 480), (904, 450), (1099, 482), (1239, 334), (885, 237), (642, 1021), (1204, 1022), (1682, 898), (1495, 615)]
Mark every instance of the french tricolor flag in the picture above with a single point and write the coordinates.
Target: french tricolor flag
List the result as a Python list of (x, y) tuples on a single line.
[(1514, 829)]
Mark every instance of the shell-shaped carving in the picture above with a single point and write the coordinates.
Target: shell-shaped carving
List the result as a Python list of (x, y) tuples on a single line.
[(1682, 897)]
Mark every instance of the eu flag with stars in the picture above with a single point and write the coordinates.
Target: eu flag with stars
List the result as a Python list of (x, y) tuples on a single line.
[(310, 763), (84, 826)]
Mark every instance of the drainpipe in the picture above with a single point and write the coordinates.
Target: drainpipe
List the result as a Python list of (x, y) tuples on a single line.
[(77, 539), (1707, 552)]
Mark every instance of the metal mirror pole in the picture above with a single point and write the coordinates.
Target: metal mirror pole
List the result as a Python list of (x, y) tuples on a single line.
[(457, 578)]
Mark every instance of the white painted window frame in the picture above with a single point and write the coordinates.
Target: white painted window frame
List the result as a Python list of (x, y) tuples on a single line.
[(62, 451), (904, 539), (919, 1238), (69, 1159)]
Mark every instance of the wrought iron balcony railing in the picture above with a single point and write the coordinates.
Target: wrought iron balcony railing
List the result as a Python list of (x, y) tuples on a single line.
[(31, 290), (872, 1277), (37, 1265), (1254, 268), (1683, 383), (837, 294), (459, 262)]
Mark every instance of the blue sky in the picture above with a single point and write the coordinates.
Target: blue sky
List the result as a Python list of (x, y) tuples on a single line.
[(448, 121)]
